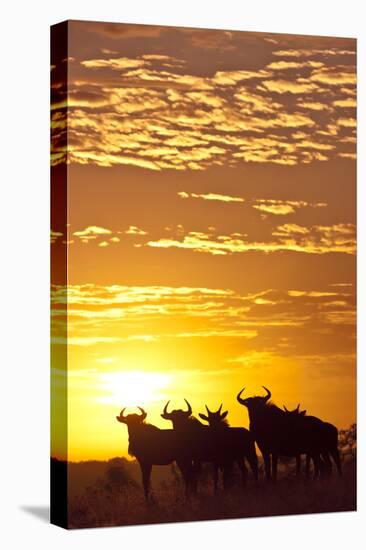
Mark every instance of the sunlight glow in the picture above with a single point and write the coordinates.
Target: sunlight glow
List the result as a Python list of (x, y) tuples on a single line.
[(134, 388)]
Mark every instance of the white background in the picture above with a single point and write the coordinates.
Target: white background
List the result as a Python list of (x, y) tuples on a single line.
[(24, 271)]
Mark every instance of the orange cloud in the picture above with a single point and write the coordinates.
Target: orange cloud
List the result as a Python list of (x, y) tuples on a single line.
[(229, 78), (133, 230), (304, 52), (91, 232), (149, 111), (55, 235), (285, 65), (347, 103), (282, 208), (334, 76), (289, 86), (314, 105), (338, 238), (347, 122), (210, 197)]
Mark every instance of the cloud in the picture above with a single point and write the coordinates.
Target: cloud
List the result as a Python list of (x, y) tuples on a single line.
[(92, 230), (157, 112), (347, 122), (289, 86), (210, 197), (335, 76), (351, 156), (91, 233), (314, 105), (90, 294), (133, 230), (230, 78), (349, 102), (265, 322), (338, 238), (114, 63), (84, 340), (55, 235), (286, 65), (282, 207), (290, 228), (310, 293), (304, 52), (219, 333), (95, 233)]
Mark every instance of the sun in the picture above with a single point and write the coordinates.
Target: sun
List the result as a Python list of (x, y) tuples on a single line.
[(133, 388)]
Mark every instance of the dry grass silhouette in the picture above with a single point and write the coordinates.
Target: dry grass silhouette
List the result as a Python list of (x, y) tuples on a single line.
[(110, 493)]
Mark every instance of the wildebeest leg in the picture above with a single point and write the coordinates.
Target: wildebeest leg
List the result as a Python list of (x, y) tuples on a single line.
[(298, 465), (244, 471), (196, 470), (274, 466), (267, 465), (227, 474), (146, 474), (187, 474), (335, 455), (215, 476), (253, 463), (326, 463), (307, 467), (317, 464)]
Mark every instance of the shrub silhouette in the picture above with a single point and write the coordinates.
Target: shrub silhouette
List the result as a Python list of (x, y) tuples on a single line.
[(348, 440), (117, 477)]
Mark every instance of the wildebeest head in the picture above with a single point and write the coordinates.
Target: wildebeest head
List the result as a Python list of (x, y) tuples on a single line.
[(254, 403), (214, 418), (295, 411), (132, 419), (178, 417)]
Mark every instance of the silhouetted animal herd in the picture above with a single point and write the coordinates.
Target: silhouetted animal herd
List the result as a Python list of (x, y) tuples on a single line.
[(277, 432)]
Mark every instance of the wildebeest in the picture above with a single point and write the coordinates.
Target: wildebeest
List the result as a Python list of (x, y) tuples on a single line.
[(279, 433), (239, 445), (187, 426), (152, 446), (298, 457), (219, 447), (330, 448)]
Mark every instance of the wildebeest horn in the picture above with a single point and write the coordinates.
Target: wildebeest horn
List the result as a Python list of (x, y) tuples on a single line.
[(165, 414), (189, 411), (298, 407), (268, 396), (220, 408), (285, 408), (239, 399), (121, 415), (143, 413), (208, 410)]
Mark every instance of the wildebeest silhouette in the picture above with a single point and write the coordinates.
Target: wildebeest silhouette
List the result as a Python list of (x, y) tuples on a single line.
[(187, 427), (295, 411), (219, 447), (298, 457), (152, 446), (279, 433), (239, 445), (330, 448)]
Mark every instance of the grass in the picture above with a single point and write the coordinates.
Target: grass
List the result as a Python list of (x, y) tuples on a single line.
[(114, 497)]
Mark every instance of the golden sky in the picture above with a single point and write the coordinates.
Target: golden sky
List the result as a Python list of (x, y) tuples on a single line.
[(211, 224)]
